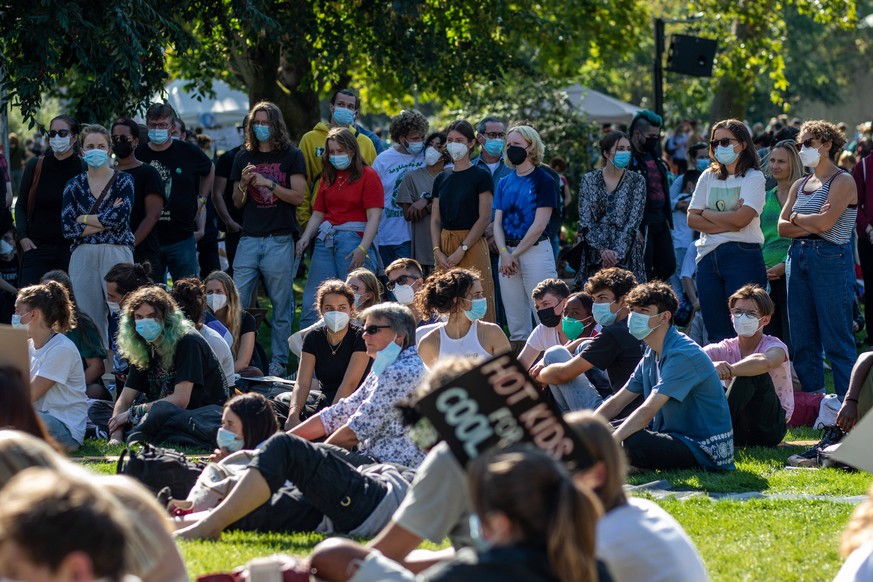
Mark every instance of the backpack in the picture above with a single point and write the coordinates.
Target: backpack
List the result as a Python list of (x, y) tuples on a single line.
[(157, 468)]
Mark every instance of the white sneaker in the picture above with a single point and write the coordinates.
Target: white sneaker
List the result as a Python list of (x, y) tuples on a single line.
[(277, 369)]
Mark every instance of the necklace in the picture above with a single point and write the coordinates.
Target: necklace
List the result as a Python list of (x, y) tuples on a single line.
[(334, 348), (340, 182)]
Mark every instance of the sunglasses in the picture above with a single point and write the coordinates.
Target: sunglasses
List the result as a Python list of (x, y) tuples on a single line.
[(401, 280), (723, 142), (807, 143), (374, 329), (59, 132)]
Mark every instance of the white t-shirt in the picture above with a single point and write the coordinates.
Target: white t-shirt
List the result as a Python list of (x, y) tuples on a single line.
[(543, 338), (222, 352), (391, 165), (59, 361), (724, 196), (640, 542), (858, 566)]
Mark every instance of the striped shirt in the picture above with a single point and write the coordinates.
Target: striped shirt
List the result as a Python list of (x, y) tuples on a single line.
[(811, 202)]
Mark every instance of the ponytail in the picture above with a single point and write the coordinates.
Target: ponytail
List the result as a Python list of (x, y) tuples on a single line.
[(53, 301), (571, 535)]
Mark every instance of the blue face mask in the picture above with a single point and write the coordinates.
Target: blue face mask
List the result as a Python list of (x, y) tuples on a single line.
[(603, 314), (414, 147), (479, 541), (621, 159), (16, 322), (340, 162), (343, 116), (228, 441), (478, 309), (726, 155), (159, 136), (638, 324), (96, 157), (702, 165), (494, 147), (385, 357), (148, 329), (262, 132)]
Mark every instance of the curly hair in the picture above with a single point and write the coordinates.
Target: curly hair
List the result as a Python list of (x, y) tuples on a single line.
[(133, 347), (655, 293), (190, 295), (619, 281), (825, 131), (280, 140), (53, 301), (334, 286), (408, 121), (441, 290)]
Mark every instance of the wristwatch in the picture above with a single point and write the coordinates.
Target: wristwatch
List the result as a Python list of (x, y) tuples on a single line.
[(465, 248), (792, 217), (272, 186), (427, 195)]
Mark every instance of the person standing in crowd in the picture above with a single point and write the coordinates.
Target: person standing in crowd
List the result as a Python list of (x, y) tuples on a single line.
[(96, 218), (677, 147), (16, 162), (345, 218), (863, 175), (726, 208), (344, 106), (41, 233), (269, 177), (680, 196), (784, 166), (611, 205), (148, 188), (523, 205), (684, 421), (222, 197), (407, 153), (819, 215), (416, 198), (645, 133), (187, 176), (462, 212)]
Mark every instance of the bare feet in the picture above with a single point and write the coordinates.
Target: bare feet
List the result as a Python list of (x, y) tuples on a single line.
[(199, 531)]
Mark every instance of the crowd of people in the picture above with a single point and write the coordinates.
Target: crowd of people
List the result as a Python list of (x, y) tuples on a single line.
[(707, 284)]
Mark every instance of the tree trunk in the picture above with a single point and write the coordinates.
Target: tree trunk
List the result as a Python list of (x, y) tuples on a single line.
[(732, 94)]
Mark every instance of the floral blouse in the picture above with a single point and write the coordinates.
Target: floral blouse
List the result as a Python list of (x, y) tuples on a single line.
[(113, 212)]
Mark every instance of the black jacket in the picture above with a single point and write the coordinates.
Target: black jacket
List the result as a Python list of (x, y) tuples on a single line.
[(639, 166)]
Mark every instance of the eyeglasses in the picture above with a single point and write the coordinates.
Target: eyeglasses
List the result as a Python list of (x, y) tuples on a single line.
[(261, 123), (59, 132), (374, 329), (159, 125), (401, 280), (495, 135), (807, 143), (723, 142), (749, 312)]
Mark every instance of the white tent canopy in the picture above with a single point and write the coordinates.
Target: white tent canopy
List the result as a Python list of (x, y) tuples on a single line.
[(227, 108), (599, 106)]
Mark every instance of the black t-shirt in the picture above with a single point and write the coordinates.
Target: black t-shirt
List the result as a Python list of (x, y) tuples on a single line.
[(9, 273), (330, 368), (264, 213), (45, 225), (146, 182), (615, 350), (194, 362), (223, 169), (558, 211), (458, 194), (180, 167)]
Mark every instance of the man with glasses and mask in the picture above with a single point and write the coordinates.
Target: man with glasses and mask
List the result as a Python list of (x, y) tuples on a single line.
[(645, 132), (405, 280), (187, 175)]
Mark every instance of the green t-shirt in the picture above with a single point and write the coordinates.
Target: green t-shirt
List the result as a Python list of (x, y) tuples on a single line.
[(87, 340), (775, 247)]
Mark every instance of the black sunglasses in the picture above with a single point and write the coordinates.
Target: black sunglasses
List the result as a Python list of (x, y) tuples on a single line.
[(401, 280), (59, 132), (374, 329), (723, 142), (807, 143)]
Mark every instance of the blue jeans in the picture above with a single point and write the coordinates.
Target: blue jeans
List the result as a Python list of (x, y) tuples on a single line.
[(391, 253), (578, 393), (273, 258), (719, 274), (820, 286), (59, 431), (180, 259), (329, 263)]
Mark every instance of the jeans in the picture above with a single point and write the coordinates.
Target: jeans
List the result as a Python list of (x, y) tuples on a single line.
[(180, 258), (391, 253), (44, 258), (656, 450), (756, 414), (231, 243), (535, 265), (330, 263), (675, 280), (578, 393), (821, 280), (59, 431), (659, 255), (719, 274), (865, 257), (779, 325), (273, 258), (326, 483)]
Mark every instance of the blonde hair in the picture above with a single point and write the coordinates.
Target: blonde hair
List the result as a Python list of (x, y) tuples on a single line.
[(860, 528), (95, 128), (232, 319), (371, 282), (532, 137), (596, 438)]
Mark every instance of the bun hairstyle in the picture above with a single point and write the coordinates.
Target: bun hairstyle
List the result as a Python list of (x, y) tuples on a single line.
[(53, 301), (129, 277), (442, 289)]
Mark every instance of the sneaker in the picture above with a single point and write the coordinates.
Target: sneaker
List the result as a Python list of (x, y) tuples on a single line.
[(277, 369), (809, 458)]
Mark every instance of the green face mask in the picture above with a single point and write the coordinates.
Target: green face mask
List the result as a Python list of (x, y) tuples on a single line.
[(572, 328)]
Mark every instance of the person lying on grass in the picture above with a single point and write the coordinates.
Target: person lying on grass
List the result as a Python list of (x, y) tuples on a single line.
[(684, 421)]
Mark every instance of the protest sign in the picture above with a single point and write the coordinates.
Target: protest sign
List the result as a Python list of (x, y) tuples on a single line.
[(13, 351)]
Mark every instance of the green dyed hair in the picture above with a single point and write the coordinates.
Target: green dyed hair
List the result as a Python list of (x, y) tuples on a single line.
[(133, 347)]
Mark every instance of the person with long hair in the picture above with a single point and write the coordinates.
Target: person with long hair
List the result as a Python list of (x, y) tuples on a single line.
[(42, 186), (459, 294), (367, 288), (247, 421), (57, 379), (17, 411), (169, 361), (333, 352), (345, 218), (820, 215), (224, 303), (269, 177), (726, 208)]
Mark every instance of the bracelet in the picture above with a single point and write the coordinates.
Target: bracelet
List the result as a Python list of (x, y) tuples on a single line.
[(503, 249), (855, 400), (85, 220), (362, 249), (240, 187), (435, 249)]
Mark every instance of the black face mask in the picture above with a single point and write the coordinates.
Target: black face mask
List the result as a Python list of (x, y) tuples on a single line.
[(516, 154), (122, 149), (651, 143), (548, 317)]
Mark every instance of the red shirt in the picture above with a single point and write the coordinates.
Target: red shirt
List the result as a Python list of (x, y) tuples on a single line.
[(343, 202)]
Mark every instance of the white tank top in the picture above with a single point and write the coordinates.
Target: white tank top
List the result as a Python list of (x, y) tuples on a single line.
[(466, 346)]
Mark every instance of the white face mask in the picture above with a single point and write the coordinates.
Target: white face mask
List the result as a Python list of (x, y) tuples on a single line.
[(335, 320), (114, 308), (216, 301), (457, 150), (432, 156), (60, 144), (745, 325), (809, 157), (404, 294)]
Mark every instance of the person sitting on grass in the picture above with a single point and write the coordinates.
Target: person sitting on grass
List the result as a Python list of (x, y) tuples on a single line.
[(247, 422), (405, 280), (613, 350), (684, 421), (755, 370), (225, 305)]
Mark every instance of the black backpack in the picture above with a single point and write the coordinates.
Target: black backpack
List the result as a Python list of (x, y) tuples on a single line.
[(157, 468)]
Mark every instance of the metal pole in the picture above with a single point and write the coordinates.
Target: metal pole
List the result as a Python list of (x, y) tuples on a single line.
[(658, 76)]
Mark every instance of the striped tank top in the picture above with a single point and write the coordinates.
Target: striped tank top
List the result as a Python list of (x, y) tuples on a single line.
[(811, 202)]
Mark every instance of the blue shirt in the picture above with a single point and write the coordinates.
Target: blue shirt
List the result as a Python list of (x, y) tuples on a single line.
[(697, 411), (520, 196), (113, 212)]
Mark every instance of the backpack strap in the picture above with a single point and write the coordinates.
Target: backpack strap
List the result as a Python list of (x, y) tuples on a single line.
[(34, 183), (103, 194)]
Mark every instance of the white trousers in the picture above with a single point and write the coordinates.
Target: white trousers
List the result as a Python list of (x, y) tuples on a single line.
[(535, 265)]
